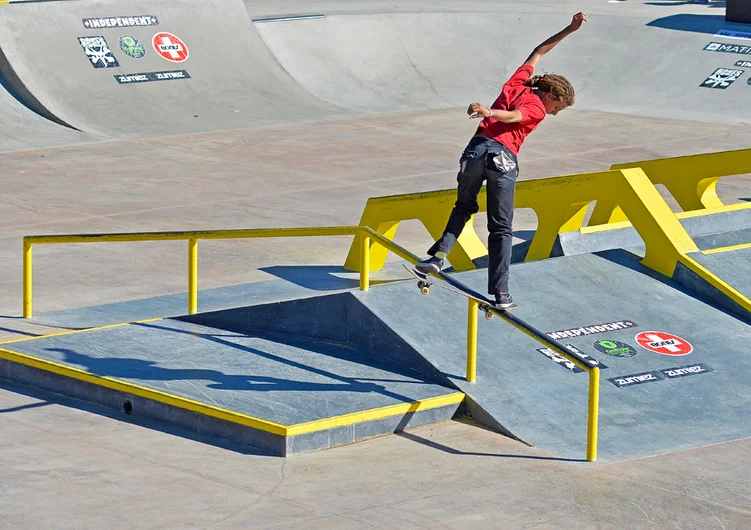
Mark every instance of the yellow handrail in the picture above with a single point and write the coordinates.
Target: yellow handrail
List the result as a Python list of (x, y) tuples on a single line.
[(365, 235)]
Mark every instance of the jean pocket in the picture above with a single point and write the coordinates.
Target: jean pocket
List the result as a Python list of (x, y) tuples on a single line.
[(501, 162)]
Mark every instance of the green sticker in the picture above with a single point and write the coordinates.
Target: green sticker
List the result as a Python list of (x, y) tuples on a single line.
[(615, 348), (132, 47)]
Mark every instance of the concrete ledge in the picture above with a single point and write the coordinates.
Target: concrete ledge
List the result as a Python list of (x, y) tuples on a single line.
[(323, 434)]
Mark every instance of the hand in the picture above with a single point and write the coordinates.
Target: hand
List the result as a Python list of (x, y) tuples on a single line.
[(577, 21), (476, 110)]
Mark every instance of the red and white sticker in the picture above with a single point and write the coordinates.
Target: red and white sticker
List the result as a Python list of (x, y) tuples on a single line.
[(170, 47), (664, 343)]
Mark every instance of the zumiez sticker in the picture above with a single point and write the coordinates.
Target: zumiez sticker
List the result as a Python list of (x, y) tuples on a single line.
[(129, 79), (722, 78), (683, 371), (591, 330), (664, 343), (636, 379), (727, 48)]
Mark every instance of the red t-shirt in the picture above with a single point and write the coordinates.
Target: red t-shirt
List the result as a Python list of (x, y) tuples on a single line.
[(515, 96)]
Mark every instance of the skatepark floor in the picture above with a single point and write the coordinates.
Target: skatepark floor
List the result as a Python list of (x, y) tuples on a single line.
[(89, 470)]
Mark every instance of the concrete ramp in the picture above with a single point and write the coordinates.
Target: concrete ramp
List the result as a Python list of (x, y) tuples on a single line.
[(272, 392), (651, 401), (228, 80), (419, 59)]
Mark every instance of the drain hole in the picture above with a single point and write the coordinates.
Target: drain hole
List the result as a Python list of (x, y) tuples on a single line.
[(127, 407)]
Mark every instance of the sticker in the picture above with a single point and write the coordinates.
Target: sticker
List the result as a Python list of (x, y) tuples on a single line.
[(683, 371), (98, 52), (733, 34), (636, 379), (591, 330), (743, 64), (120, 22), (615, 348), (128, 79), (132, 47), (727, 48), (170, 47), (569, 365), (722, 78), (664, 343)]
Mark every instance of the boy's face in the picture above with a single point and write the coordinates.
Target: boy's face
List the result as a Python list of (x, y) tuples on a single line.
[(552, 106)]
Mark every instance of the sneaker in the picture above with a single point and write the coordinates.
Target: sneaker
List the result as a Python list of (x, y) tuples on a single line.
[(503, 300), (432, 265)]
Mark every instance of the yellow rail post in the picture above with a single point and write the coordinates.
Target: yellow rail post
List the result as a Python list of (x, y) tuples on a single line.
[(364, 262), (472, 340), (192, 275), (594, 414), (26, 279)]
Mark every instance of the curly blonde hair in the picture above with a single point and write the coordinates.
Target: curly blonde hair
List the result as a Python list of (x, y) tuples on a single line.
[(558, 86)]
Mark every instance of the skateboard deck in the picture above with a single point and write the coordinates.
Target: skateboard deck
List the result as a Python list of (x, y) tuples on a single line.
[(424, 282)]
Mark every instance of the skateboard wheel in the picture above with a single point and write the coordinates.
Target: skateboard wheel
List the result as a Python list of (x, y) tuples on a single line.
[(425, 290), (488, 315)]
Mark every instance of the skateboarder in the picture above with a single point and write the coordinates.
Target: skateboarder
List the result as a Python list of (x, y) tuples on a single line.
[(491, 155)]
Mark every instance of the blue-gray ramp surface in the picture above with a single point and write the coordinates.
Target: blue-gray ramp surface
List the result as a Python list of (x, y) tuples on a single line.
[(651, 402), (280, 379), (733, 266)]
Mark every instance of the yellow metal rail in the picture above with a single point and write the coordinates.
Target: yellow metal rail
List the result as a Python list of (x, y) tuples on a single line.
[(365, 237)]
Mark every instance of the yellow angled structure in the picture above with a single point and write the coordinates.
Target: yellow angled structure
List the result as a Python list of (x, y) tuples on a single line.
[(691, 180), (560, 204)]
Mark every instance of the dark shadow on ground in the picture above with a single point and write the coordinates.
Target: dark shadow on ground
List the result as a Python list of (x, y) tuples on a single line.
[(708, 24), (25, 407), (26, 333), (714, 3), (452, 451)]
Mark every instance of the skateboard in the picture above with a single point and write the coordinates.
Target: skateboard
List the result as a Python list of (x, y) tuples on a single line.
[(424, 283)]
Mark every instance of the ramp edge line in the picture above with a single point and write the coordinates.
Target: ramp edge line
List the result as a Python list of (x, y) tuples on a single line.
[(726, 249), (70, 332), (375, 414)]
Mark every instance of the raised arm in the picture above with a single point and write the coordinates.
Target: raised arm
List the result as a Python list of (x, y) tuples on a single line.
[(551, 43)]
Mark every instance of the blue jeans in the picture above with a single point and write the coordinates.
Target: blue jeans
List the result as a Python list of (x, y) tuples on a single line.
[(476, 167)]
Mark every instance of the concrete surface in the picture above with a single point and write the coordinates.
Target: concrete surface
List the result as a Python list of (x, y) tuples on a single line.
[(89, 470)]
